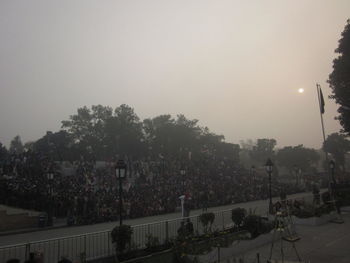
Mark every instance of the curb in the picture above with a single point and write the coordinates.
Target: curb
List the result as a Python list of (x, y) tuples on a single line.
[(29, 230)]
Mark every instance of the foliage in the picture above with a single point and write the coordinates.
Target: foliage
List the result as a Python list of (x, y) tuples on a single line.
[(59, 146), (339, 79), (238, 215), (207, 220), (204, 244), (263, 150), (16, 145), (256, 225), (326, 197), (307, 211), (337, 145), (152, 241), (100, 132), (3, 152), (299, 156), (121, 236)]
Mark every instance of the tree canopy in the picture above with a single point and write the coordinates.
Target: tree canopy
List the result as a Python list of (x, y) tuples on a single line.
[(102, 132), (339, 79), (16, 145), (263, 150), (297, 156), (337, 145)]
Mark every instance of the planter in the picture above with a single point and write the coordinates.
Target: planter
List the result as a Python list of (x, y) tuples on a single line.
[(314, 221), (345, 209), (205, 244), (242, 246), (166, 256), (237, 248)]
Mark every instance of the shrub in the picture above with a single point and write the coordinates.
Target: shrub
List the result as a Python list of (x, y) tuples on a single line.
[(326, 197), (207, 220), (152, 241), (238, 215), (251, 224), (121, 236)]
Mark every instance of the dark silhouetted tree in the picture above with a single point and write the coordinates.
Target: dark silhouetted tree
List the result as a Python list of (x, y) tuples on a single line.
[(3, 152), (299, 156), (87, 128), (339, 79), (263, 150), (59, 146), (124, 132), (16, 145), (337, 145)]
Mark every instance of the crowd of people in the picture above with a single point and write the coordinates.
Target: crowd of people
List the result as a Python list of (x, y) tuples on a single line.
[(152, 186)]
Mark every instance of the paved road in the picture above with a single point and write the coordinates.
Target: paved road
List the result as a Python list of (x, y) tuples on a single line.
[(328, 243), (259, 206)]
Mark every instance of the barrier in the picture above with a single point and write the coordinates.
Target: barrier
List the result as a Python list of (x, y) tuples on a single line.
[(99, 244)]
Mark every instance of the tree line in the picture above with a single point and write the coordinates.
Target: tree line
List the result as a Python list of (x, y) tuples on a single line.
[(101, 133)]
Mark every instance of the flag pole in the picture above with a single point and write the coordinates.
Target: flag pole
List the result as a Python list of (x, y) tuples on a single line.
[(331, 178), (322, 125), (320, 107)]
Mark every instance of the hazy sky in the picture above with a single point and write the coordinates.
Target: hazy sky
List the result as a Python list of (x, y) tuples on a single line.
[(234, 65)]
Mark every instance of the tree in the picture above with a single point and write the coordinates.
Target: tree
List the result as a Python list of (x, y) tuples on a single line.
[(16, 145), (339, 79), (3, 152), (87, 128), (59, 146), (263, 150), (337, 145), (124, 132), (297, 156)]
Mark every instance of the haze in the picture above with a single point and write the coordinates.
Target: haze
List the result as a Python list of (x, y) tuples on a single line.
[(236, 66)]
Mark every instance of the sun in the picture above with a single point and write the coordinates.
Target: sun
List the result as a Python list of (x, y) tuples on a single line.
[(301, 90)]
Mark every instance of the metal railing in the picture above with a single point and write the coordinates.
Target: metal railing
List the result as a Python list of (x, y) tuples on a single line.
[(99, 244)]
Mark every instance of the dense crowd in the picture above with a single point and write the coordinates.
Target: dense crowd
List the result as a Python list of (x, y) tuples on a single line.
[(153, 185)]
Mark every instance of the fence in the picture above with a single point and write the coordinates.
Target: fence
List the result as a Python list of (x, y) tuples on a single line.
[(99, 244)]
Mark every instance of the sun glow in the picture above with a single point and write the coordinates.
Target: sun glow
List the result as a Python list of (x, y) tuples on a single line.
[(301, 90)]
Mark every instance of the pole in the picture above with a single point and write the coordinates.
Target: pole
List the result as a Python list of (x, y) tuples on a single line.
[(318, 87), (120, 201), (270, 195)]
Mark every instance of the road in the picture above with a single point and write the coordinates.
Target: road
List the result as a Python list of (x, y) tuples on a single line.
[(94, 241), (259, 206)]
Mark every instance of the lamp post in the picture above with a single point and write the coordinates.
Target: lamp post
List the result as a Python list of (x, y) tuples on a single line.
[(269, 169), (252, 173), (120, 173), (296, 174), (299, 177), (332, 168), (50, 177)]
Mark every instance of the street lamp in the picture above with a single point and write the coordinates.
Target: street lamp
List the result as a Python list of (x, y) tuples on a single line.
[(120, 173), (332, 168), (252, 173), (50, 177), (269, 169)]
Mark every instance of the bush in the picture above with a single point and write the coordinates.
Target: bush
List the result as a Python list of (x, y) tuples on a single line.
[(256, 225), (152, 242), (310, 211), (238, 215), (207, 219), (121, 236), (326, 197), (251, 224)]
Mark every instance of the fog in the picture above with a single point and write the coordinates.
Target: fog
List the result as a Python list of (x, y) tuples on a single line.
[(234, 65)]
